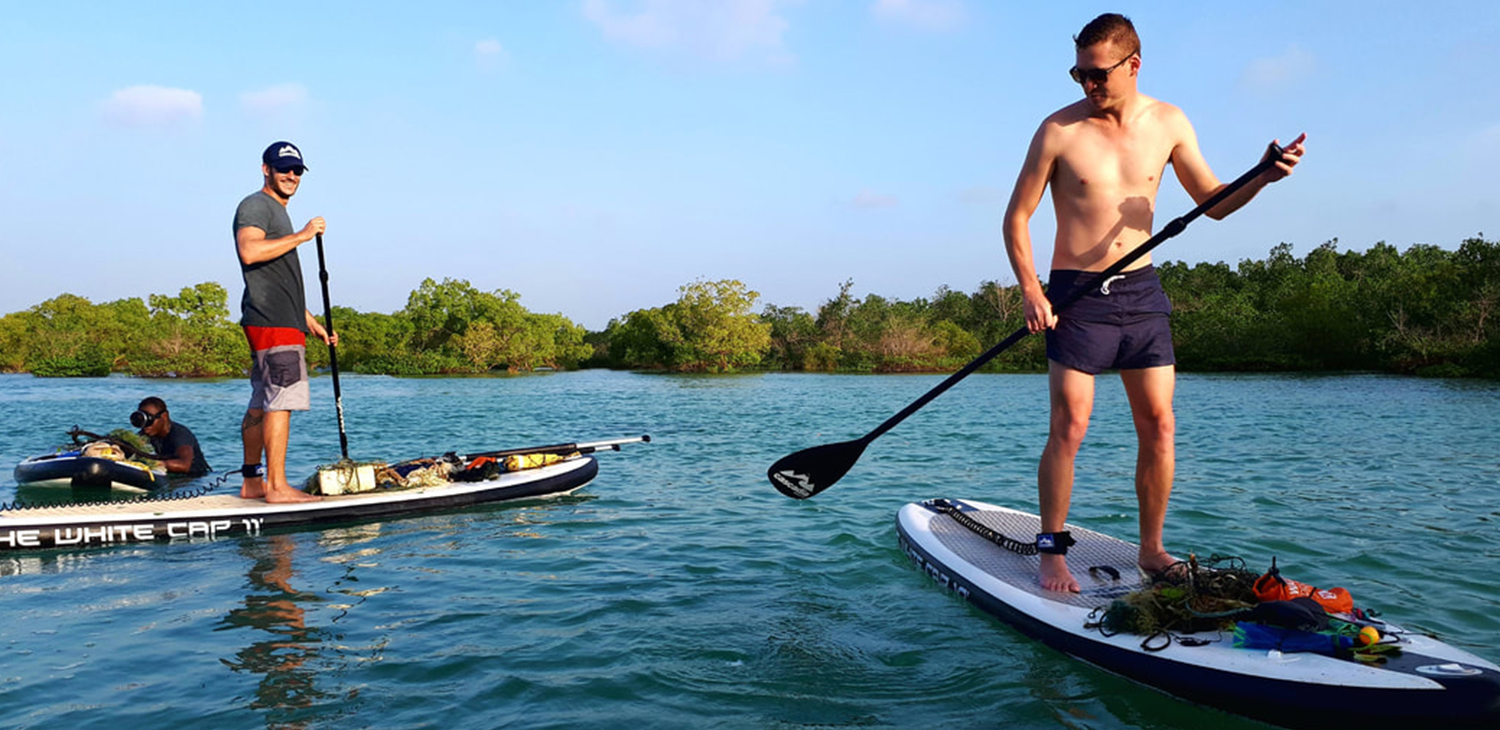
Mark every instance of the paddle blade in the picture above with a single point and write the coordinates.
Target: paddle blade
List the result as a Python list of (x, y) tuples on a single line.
[(809, 471)]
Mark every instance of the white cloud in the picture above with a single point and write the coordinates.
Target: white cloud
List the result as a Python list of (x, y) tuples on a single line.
[(1272, 72), (870, 200), (489, 54), (936, 15), (721, 30), (274, 100), (153, 106)]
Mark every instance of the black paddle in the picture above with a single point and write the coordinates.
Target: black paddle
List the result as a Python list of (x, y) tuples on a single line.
[(333, 353), (805, 473)]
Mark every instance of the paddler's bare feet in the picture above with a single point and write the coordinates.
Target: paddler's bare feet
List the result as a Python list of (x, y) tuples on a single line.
[(288, 495), (1154, 562), (1055, 575), (253, 488)]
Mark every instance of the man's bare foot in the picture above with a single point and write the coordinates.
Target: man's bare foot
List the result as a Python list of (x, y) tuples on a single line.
[(253, 488), (288, 495), (1153, 563), (1055, 575)]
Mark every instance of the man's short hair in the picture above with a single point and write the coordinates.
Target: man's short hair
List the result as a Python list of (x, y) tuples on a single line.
[(1111, 27), (157, 403)]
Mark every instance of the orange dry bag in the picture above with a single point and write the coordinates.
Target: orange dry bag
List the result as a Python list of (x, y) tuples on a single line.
[(1273, 587)]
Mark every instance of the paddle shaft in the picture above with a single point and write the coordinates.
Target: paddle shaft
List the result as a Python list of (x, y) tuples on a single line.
[(1171, 229), (584, 448), (333, 351)]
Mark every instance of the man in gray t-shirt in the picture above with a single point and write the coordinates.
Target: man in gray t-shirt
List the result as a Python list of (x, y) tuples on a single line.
[(274, 314)]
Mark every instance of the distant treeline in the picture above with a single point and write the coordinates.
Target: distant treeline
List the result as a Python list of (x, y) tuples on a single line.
[(1426, 310), (445, 328)]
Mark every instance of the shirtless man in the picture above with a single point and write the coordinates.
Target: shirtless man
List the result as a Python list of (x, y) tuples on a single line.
[(1104, 156)]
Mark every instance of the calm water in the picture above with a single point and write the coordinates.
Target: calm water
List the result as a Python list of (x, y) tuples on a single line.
[(679, 590)]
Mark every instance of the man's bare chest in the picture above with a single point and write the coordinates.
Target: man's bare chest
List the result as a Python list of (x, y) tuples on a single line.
[(1087, 168)]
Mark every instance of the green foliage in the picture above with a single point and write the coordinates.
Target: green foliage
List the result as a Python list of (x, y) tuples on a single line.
[(446, 328), (1424, 311), (710, 328), (880, 335), (452, 327), (720, 333), (467, 330), (60, 339), (191, 335), (15, 341), (68, 336), (90, 362), (793, 333)]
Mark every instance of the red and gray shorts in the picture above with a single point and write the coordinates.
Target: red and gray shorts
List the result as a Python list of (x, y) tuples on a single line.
[(278, 369), (1121, 324)]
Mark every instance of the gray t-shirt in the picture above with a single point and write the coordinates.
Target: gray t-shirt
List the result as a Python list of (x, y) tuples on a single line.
[(273, 289)]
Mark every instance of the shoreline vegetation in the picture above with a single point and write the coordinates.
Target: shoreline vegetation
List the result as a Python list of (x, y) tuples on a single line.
[(1425, 311)]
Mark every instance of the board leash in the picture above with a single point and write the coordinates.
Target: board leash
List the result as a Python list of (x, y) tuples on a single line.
[(947, 507), (168, 496)]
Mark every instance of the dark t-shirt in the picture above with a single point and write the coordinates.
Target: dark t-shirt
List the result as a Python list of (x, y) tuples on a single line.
[(179, 435), (273, 289)]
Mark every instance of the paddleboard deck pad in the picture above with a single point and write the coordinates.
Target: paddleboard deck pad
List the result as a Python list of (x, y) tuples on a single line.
[(227, 515), (1427, 681)]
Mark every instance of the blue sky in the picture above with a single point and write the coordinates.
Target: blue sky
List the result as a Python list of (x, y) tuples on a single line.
[(595, 155)]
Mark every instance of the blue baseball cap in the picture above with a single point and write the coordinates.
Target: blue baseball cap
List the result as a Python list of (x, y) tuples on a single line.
[(283, 156)]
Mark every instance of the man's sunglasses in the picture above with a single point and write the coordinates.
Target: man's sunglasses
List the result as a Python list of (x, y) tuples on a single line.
[(293, 171), (1096, 75)]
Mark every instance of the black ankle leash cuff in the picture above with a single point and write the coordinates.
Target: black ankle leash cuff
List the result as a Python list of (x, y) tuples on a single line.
[(1054, 543), (252, 470)]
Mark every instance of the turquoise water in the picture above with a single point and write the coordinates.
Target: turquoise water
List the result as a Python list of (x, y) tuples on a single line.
[(679, 590)]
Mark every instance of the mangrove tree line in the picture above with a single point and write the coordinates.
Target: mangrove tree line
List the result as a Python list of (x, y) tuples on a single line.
[(1425, 310)]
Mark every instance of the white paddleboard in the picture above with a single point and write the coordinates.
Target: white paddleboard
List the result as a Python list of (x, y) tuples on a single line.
[(1426, 682)]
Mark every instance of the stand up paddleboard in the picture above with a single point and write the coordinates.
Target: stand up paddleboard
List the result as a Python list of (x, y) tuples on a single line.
[(227, 515), (1427, 684)]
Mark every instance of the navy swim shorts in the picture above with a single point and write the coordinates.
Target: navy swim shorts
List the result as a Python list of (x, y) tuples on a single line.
[(1121, 324)]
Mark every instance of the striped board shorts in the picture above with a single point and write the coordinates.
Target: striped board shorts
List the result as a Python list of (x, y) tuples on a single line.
[(278, 369)]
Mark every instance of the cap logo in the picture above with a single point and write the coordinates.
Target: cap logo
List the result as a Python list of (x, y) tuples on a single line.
[(288, 151)]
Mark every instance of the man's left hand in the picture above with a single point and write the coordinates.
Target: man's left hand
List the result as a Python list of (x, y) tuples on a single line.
[(1290, 156)]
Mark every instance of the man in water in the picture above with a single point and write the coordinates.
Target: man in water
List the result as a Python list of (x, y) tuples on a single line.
[(1103, 157), (276, 321), (173, 440)]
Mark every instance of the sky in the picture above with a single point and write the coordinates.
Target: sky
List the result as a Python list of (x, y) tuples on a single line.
[(594, 156)]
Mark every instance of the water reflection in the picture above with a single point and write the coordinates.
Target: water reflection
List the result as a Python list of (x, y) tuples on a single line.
[(285, 659)]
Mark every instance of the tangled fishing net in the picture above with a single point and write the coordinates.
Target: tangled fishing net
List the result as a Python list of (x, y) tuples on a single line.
[(1189, 596)]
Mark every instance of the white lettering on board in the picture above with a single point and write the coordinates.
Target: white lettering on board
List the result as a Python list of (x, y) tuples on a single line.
[(22, 538)]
